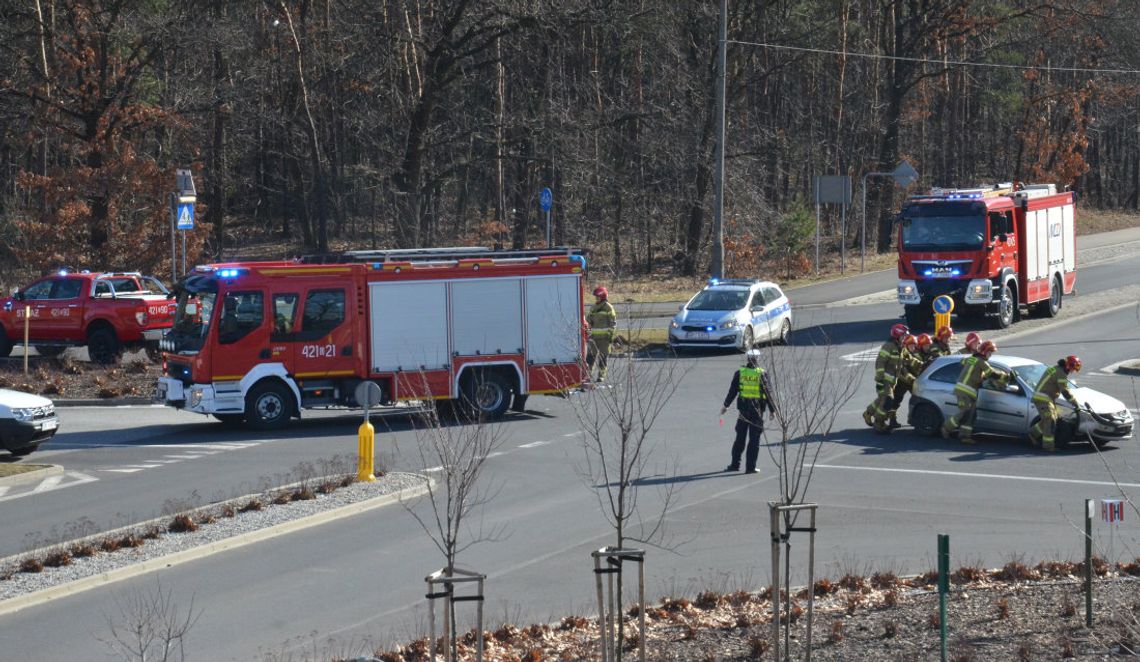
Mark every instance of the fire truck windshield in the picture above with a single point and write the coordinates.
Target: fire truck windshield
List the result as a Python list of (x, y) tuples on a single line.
[(192, 319), (943, 227)]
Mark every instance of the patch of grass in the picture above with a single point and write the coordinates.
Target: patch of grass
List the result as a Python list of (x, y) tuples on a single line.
[(182, 523), (31, 565), (17, 469), (251, 505), (58, 558)]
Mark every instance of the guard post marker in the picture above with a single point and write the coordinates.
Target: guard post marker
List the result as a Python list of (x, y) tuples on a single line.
[(367, 395), (1090, 508), (943, 306), (943, 588)]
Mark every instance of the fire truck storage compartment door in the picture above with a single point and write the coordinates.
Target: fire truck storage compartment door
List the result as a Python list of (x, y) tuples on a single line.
[(409, 325), (1037, 244), (1068, 234), (486, 314), (553, 319)]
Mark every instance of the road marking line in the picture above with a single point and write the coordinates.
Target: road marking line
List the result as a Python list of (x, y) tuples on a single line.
[(534, 444), (865, 355), (433, 470), (573, 434), (124, 471), (4, 489), (187, 456), (495, 454), (966, 474), (48, 483)]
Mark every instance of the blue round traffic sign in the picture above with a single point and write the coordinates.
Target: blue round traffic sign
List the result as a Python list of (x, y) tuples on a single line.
[(546, 199), (943, 305)]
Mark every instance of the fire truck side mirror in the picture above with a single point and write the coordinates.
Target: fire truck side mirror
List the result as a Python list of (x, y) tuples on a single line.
[(17, 295)]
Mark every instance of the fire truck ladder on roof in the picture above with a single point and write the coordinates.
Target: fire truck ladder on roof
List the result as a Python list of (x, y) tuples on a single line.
[(437, 255)]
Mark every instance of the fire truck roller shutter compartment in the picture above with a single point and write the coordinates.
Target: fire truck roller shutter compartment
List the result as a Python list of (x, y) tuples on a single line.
[(553, 320), (486, 316), (409, 325)]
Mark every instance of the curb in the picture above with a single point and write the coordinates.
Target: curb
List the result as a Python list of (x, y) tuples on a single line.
[(19, 602), (103, 402), (1130, 370), (32, 476)]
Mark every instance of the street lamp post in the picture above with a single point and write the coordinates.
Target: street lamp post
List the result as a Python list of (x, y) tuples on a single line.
[(903, 175)]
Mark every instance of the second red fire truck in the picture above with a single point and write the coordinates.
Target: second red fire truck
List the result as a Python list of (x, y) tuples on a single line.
[(992, 249), (261, 341)]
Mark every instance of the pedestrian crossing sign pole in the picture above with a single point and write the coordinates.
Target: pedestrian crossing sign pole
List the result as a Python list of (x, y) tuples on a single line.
[(181, 215), (943, 306)]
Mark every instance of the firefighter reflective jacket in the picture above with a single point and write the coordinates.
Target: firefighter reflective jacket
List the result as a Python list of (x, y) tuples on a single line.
[(975, 370), (1055, 382), (887, 365), (602, 319)]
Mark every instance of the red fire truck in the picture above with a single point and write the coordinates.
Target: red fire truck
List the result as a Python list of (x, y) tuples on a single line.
[(260, 341), (992, 249)]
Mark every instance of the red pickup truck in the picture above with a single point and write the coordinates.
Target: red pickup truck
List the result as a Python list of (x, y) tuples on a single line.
[(107, 312)]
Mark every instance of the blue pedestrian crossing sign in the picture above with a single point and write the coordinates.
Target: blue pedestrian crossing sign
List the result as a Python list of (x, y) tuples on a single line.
[(546, 199), (185, 216)]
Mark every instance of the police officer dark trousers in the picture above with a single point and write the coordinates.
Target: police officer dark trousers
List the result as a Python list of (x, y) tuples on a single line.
[(749, 388)]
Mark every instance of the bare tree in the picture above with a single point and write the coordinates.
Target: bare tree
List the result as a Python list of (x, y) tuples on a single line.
[(150, 626), (457, 454), (807, 403), (617, 421)]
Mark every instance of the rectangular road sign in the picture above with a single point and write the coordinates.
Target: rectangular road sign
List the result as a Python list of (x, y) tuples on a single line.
[(185, 216)]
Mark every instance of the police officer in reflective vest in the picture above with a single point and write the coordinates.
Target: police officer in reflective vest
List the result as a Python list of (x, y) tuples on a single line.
[(975, 370), (1054, 383), (750, 389), (602, 319)]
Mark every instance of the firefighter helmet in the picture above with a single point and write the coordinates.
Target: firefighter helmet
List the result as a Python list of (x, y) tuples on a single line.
[(987, 348), (972, 340), (910, 342), (1072, 364), (924, 339), (601, 292), (944, 334), (898, 331)]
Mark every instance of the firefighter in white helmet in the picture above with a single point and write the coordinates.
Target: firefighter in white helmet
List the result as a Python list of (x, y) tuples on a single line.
[(753, 394)]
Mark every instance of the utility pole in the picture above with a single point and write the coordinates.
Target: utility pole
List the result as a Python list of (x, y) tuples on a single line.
[(717, 266)]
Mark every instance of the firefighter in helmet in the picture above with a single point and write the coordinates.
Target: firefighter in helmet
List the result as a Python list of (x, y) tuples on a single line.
[(928, 350), (753, 395), (972, 342), (1054, 383), (910, 367), (975, 370), (887, 366), (940, 345), (602, 322)]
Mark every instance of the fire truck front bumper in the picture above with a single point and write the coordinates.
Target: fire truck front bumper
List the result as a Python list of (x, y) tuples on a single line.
[(221, 398)]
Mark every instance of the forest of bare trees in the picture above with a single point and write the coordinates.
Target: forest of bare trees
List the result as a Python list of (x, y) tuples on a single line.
[(403, 123)]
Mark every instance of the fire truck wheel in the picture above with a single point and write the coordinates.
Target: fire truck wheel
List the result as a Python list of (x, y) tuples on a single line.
[(1051, 306), (1006, 309), (103, 347), (5, 344), (268, 406), (487, 395)]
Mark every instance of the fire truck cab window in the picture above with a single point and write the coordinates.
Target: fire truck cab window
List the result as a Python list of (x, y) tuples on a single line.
[(284, 308), (242, 313), (66, 289), (1000, 223), (324, 311), (37, 291)]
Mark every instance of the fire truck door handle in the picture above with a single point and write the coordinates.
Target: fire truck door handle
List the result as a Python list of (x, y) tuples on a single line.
[(264, 354), (346, 350)]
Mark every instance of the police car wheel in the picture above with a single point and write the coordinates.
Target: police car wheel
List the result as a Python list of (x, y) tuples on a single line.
[(785, 332), (747, 340)]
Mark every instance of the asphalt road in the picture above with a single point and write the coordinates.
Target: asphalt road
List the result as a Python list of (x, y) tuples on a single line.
[(346, 586)]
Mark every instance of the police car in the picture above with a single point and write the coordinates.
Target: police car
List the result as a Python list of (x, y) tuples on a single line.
[(733, 313)]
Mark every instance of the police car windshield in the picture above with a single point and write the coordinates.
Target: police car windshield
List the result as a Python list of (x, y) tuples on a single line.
[(940, 227), (719, 300)]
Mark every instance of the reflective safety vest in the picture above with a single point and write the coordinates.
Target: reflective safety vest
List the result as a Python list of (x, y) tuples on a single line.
[(602, 319), (750, 383), (975, 369), (887, 363), (1053, 383)]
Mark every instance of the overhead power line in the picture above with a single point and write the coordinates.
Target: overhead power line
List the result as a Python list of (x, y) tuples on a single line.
[(956, 63)]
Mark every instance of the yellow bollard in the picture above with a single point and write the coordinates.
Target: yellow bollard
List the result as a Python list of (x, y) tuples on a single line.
[(943, 306), (367, 447)]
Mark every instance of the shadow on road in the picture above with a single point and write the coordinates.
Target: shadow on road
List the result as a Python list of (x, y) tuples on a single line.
[(906, 440)]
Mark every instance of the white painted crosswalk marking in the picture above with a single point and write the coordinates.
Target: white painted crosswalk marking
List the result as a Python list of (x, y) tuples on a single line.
[(4, 489), (865, 355), (534, 444), (49, 483)]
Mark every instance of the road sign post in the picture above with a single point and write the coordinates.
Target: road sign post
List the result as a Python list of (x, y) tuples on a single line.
[(368, 395), (943, 588), (181, 214), (546, 201), (943, 306)]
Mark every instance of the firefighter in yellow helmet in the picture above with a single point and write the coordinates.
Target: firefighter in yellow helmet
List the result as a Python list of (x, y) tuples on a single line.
[(1054, 383), (602, 320), (887, 367), (975, 370)]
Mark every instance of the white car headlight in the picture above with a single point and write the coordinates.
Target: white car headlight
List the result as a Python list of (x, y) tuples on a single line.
[(195, 397), (728, 325), (23, 414), (674, 324)]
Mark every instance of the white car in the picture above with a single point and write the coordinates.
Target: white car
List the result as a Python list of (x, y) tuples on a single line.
[(1011, 411), (732, 313), (26, 421)]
